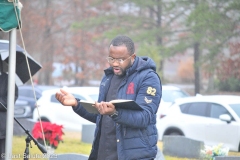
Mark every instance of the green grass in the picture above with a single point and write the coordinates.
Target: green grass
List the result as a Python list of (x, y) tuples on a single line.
[(71, 144)]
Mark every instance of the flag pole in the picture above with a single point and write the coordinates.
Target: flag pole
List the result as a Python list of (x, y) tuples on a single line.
[(11, 93)]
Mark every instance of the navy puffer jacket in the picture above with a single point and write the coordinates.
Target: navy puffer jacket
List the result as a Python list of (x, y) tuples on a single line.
[(136, 131)]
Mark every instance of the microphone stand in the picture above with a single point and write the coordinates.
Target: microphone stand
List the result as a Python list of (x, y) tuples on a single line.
[(28, 140)]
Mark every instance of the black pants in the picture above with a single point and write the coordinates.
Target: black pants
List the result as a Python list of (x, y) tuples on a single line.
[(2, 148)]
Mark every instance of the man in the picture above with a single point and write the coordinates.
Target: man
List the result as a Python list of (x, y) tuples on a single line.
[(121, 133), (3, 111)]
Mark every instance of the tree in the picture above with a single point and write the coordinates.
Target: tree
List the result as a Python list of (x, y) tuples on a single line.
[(49, 38), (228, 70), (212, 26), (41, 28), (132, 18), (164, 28), (160, 29), (4, 35)]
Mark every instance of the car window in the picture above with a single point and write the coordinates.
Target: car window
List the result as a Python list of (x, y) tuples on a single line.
[(236, 108), (28, 93), (171, 95), (217, 110), (23, 92), (197, 108), (38, 95), (184, 108)]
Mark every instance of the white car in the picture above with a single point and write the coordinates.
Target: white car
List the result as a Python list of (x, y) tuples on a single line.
[(169, 95), (51, 110), (212, 119)]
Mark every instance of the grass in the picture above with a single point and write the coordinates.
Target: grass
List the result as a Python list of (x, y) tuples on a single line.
[(71, 144)]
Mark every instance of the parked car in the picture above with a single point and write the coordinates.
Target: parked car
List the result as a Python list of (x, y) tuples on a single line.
[(22, 109), (169, 95), (51, 110), (212, 119), (26, 93)]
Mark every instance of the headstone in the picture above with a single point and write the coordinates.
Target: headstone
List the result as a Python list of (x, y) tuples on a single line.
[(227, 158), (88, 133), (182, 147)]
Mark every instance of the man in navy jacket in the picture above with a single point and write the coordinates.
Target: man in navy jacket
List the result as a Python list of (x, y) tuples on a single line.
[(123, 134)]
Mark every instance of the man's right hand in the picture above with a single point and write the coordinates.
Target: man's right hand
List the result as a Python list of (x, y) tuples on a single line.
[(66, 98)]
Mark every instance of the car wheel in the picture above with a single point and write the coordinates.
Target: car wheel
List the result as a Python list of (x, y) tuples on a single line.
[(44, 119), (175, 134)]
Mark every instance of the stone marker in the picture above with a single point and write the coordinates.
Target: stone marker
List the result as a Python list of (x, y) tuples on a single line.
[(88, 133), (182, 147)]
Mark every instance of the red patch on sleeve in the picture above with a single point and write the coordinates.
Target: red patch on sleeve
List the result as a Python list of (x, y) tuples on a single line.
[(130, 89)]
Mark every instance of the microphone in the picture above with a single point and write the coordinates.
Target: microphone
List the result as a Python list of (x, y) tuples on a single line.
[(41, 148)]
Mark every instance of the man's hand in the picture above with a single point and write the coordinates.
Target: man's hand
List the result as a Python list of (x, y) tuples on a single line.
[(105, 108), (66, 98)]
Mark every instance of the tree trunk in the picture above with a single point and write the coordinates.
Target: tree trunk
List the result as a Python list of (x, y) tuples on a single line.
[(196, 68), (159, 37)]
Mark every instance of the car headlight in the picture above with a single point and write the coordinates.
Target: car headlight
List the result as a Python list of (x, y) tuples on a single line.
[(22, 110)]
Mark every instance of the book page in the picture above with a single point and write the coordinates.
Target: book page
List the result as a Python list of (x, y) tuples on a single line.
[(120, 100), (84, 101), (89, 106)]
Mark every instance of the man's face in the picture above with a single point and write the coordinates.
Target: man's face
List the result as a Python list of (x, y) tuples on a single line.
[(117, 53)]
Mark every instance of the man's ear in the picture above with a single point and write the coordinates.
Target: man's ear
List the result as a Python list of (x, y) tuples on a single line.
[(133, 59)]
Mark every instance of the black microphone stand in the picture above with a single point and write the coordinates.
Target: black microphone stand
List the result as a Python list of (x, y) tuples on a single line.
[(26, 152), (28, 140)]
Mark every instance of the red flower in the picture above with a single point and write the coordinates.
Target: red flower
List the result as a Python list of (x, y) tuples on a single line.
[(52, 132)]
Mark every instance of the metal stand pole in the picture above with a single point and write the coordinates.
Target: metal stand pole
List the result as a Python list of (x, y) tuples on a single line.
[(26, 152), (11, 93)]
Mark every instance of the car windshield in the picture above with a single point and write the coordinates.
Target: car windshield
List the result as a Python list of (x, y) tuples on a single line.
[(171, 95), (236, 108)]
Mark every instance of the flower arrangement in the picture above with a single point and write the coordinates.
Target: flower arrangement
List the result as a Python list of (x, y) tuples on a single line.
[(52, 133), (211, 152)]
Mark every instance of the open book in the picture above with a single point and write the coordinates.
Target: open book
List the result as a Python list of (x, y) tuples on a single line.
[(118, 103)]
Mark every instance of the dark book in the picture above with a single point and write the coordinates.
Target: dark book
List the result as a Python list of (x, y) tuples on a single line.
[(118, 103)]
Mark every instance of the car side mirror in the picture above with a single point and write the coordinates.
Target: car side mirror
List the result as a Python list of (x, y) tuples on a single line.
[(225, 117)]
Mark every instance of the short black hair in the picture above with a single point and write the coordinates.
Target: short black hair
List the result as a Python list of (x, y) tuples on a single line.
[(124, 40)]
